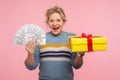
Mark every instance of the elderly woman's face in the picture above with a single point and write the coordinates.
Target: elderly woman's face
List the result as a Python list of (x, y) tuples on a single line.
[(56, 23)]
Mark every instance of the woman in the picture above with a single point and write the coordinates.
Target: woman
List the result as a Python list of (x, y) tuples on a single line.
[(55, 59)]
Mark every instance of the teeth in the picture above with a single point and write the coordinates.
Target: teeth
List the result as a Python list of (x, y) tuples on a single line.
[(56, 28)]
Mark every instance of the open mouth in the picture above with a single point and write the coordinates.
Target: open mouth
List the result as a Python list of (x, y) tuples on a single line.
[(55, 28)]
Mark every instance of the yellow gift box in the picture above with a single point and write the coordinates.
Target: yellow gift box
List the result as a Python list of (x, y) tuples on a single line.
[(87, 43)]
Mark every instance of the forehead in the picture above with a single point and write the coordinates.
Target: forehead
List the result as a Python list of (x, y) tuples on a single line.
[(55, 15)]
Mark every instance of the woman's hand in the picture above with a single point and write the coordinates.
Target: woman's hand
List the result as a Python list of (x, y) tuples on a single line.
[(81, 54), (30, 46)]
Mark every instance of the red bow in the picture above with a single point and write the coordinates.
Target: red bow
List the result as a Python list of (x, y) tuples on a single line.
[(89, 40)]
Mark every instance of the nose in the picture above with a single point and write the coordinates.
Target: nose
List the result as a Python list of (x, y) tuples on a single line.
[(55, 23)]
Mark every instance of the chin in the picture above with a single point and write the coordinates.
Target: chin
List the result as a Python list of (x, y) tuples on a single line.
[(56, 33)]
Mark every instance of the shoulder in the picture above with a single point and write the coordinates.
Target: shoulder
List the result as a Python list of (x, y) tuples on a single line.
[(47, 33), (70, 34)]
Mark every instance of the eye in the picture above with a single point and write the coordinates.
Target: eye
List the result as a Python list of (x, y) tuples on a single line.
[(58, 20), (51, 20)]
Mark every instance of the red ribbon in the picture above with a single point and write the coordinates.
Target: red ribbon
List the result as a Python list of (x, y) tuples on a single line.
[(89, 40)]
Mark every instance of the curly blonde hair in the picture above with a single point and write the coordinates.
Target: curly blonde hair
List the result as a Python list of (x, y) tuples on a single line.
[(55, 9)]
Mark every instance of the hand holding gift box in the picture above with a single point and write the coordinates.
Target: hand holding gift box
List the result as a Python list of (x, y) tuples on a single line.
[(87, 43)]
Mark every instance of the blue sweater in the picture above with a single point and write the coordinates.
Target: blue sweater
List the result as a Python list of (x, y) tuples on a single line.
[(55, 59)]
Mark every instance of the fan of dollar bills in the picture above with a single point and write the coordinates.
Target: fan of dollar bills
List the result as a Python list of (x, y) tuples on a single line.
[(30, 32)]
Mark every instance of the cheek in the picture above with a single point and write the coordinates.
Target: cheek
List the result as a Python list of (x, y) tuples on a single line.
[(50, 25), (62, 24)]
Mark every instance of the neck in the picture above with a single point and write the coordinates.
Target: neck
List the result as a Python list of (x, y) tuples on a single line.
[(58, 34)]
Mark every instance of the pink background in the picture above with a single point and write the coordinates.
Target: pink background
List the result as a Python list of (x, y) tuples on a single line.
[(98, 17)]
